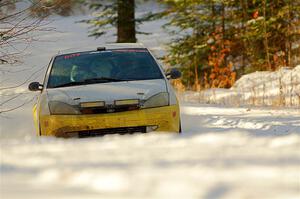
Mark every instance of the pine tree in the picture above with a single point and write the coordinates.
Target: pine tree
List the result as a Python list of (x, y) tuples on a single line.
[(197, 21), (119, 14), (263, 35)]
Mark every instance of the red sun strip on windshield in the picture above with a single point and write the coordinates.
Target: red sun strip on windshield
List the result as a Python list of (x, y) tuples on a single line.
[(71, 56), (131, 50)]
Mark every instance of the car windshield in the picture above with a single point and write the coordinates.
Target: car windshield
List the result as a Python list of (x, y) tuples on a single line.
[(103, 66)]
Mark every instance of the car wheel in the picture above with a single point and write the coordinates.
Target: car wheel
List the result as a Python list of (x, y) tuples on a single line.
[(180, 130), (40, 130)]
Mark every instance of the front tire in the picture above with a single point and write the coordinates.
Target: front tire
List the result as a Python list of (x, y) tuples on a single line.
[(180, 129)]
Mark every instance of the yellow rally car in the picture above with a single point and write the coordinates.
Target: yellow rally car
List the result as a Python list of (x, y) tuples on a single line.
[(109, 90)]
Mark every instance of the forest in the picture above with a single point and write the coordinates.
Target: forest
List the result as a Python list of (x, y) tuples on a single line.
[(214, 42)]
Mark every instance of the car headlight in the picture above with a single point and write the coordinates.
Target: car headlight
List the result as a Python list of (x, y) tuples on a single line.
[(160, 99), (61, 108), (127, 102)]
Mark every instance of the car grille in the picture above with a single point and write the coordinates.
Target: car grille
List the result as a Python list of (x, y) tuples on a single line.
[(120, 130), (112, 109)]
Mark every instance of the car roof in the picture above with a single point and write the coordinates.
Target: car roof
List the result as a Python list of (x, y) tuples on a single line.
[(124, 45), (111, 46)]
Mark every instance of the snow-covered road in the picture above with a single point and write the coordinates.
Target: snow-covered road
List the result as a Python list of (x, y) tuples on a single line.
[(223, 153)]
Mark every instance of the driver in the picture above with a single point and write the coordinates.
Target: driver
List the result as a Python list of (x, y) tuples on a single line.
[(81, 73)]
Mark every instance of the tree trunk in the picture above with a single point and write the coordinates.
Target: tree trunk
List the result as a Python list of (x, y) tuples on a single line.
[(213, 16), (223, 32), (223, 21), (243, 32), (266, 42), (289, 42), (126, 21), (196, 83)]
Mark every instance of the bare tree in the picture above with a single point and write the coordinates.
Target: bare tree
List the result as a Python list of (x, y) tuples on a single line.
[(18, 29)]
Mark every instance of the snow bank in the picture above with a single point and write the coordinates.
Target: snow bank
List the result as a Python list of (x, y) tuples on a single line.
[(279, 88), (228, 153)]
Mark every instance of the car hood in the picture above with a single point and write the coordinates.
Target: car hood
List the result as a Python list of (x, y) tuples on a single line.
[(107, 92)]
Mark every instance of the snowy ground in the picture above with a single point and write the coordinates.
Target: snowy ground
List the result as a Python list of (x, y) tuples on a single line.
[(223, 153)]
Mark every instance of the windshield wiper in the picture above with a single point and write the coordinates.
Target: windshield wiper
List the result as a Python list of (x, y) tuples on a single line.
[(92, 81), (70, 84), (105, 79)]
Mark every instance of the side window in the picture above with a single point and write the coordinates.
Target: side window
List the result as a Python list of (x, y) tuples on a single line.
[(60, 74)]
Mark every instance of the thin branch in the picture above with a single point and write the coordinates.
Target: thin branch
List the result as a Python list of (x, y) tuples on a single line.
[(21, 11), (13, 94), (17, 107), (10, 99), (24, 82)]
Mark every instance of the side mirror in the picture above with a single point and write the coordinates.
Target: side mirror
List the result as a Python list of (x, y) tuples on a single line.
[(35, 86), (173, 74)]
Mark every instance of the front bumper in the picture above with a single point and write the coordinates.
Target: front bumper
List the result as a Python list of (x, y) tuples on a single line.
[(165, 118)]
